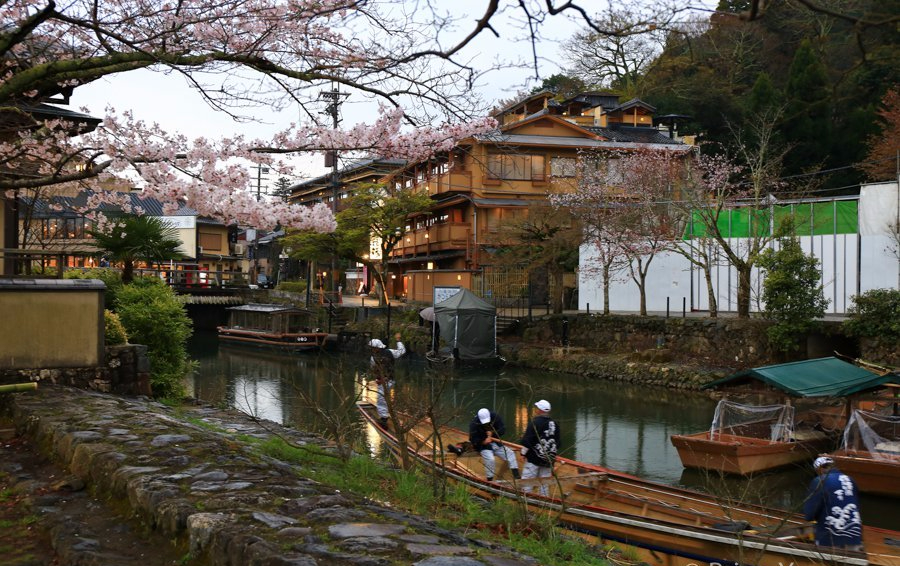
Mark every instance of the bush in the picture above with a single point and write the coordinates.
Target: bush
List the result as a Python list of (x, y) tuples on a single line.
[(792, 293), (292, 286), (111, 277), (153, 316), (875, 314), (114, 331)]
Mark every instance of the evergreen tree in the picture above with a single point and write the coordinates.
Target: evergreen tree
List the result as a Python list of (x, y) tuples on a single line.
[(792, 292), (764, 96), (282, 189), (807, 122)]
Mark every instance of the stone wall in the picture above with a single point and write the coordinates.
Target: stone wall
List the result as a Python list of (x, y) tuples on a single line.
[(126, 371), (718, 342), (682, 353)]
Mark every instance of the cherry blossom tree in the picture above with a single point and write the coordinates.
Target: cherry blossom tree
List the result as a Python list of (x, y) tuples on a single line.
[(594, 204), (238, 55), (711, 184), (624, 199)]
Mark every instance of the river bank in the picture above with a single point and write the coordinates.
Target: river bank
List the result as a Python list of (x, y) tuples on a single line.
[(189, 485)]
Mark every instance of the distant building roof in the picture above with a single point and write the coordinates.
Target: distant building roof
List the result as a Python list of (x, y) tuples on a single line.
[(630, 134), (23, 115), (61, 206), (633, 103), (618, 141), (352, 167)]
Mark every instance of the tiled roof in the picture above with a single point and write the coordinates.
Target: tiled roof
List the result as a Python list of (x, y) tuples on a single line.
[(70, 206), (351, 167), (633, 135)]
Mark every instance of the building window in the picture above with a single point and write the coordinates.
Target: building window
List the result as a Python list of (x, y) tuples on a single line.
[(515, 167), (210, 241), (563, 167)]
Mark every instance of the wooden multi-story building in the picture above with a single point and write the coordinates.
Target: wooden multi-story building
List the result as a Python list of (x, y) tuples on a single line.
[(494, 178)]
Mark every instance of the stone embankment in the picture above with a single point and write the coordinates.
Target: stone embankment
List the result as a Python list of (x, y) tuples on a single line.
[(187, 475)]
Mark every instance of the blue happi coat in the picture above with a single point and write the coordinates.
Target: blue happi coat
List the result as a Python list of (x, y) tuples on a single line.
[(833, 504)]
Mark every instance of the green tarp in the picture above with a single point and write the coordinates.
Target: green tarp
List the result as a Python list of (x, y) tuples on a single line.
[(823, 377), (468, 325), (810, 219)]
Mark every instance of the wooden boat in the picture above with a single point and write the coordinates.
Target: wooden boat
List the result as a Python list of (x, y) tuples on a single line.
[(665, 526), (764, 438), (281, 327), (751, 447), (870, 452)]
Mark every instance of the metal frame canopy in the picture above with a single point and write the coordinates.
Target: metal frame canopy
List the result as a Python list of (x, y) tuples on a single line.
[(822, 377)]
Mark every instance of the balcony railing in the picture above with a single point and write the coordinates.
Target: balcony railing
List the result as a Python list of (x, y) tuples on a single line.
[(435, 238), (449, 182)]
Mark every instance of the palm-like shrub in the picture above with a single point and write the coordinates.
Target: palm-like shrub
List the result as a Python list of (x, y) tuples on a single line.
[(129, 239)]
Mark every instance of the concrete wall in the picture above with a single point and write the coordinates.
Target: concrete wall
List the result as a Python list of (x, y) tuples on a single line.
[(851, 264), (51, 323)]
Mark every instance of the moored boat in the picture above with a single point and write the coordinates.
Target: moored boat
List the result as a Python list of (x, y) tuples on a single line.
[(746, 439), (666, 526), (765, 438), (870, 452), (280, 327)]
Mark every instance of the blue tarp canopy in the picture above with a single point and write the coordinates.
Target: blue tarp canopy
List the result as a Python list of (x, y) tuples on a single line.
[(823, 377)]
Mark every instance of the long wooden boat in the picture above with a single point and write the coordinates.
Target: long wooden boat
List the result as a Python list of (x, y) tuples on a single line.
[(665, 525), (280, 327), (871, 456)]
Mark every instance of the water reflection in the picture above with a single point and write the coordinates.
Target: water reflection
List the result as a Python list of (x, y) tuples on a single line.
[(619, 425)]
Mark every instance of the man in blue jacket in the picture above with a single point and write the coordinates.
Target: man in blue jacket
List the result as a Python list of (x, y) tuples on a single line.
[(833, 504)]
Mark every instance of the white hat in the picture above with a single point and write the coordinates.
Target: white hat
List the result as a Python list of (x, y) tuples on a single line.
[(543, 405), (376, 343), (822, 461), (484, 416)]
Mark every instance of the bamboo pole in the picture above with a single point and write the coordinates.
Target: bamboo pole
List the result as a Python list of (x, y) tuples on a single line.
[(12, 388)]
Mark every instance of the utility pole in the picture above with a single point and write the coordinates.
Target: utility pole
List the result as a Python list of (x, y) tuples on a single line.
[(335, 98), (260, 171)]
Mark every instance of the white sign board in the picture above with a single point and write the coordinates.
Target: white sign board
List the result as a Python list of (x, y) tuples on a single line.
[(444, 293), (179, 222)]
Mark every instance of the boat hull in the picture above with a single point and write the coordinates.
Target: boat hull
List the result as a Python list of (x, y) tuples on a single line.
[(664, 525), (302, 342), (744, 456), (880, 477)]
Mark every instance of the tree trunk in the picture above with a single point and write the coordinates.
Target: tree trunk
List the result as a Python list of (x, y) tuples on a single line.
[(605, 289), (711, 293), (743, 291), (127, 271), (380, 285), (642, 287), (556, 299)]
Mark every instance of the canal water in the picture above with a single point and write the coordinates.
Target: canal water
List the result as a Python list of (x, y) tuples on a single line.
[(617, 425)]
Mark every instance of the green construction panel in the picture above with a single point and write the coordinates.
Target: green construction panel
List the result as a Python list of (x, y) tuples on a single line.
[(848, 217), (809, 219)]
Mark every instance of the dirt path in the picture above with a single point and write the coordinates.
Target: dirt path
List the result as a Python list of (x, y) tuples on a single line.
[(48, 519)]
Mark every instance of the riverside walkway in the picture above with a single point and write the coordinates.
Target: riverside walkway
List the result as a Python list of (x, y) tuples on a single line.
[(189, 476)]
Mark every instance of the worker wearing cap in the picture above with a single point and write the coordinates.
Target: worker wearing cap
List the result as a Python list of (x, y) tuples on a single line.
[(382, 371), (485, 432), (540, 444), (832, 502)]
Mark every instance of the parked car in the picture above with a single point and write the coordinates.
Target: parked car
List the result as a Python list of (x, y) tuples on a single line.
[(263, 282)]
